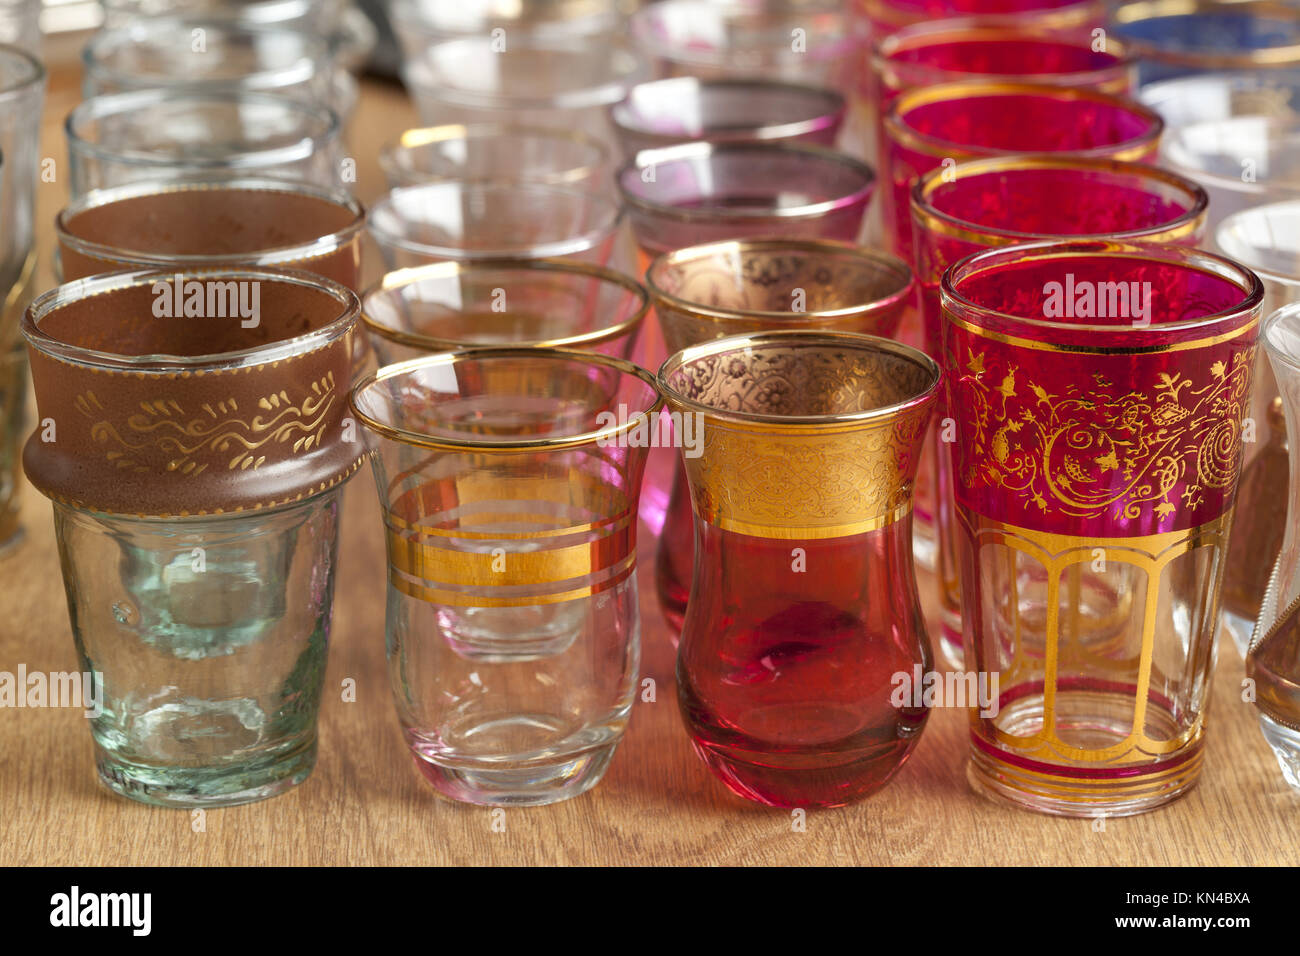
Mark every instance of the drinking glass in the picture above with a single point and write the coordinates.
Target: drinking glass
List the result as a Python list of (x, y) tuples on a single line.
[(561, 82), (985, 203), (450, 305), (194, 451), (888, 16), (1265, 239), (415, 225), (757, 285), (240, 222), (509, 480), (1098, 391), (1174, 38), (803, 616), (496, 152), (1237, 134), (163, 134), (666, 112)]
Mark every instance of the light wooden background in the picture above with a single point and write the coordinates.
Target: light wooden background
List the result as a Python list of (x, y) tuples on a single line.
[(366, 804)]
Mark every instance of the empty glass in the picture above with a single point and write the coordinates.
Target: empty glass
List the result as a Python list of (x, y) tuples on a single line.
[(497, 152), (450, 305), (509, 481), (162, 134), (666, 112), (415, 225)]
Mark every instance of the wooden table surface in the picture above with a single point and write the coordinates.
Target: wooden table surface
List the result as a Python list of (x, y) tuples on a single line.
[(366, 804)]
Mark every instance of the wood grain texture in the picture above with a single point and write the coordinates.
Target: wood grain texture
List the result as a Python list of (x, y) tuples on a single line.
[(657, 805)]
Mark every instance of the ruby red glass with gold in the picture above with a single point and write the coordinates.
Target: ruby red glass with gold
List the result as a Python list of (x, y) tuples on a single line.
[(985, 203), (803, 609), (1098, 391)]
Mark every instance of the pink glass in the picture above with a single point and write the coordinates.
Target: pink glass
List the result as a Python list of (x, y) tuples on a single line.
[(886, 16), (803, 610), (726, 288), (984, 203), (667, 112)]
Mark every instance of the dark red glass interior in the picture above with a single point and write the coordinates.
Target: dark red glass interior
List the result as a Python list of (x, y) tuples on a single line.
[(1028, 122), (1025, 56)]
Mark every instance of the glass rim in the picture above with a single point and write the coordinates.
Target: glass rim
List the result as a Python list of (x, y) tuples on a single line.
[(508, 446), (1274, 319), (887, 262), (427, 135), (35, 78), (795, 338), (977, 28), (409, 14), (625, 68), (106, 106), (297, 252), (1138, 11), (1252, 289), (849, 35), (947, 224), (899, 131), (832, 111), (550, 249), (304, 66), (1067, 14), (1242, 215), (705, 149), (394, 281), (79, 290)]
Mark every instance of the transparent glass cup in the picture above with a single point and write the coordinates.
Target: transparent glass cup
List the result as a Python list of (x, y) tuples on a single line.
[(1174, 38), (1266, 240), (670, 111), (433, 222), (803, 612), (222, 224), (559, 82), (1098, 392), (194, 458), (509, 481), (496, 152), (750, 286), (163, 134), (1237, 134), (986, 203), (540, 303)]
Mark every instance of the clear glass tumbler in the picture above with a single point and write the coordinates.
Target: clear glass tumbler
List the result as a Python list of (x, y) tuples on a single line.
[(1099, 391), (803, 620), (193, 442), (509, 481)]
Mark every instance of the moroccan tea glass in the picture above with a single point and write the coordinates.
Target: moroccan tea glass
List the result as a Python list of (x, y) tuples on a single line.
[(194, 452), (885, 17), (1173, 38), (1266, 240), (683, 108), (803, 615), (985, 203), (449, 305), (433, 222), (509, 481), (220, 224), (759, 285), (497, 152), (1098, 391), (164, 134)]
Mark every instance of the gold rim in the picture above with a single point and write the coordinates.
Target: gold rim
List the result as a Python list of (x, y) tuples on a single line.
[(883, 260), (1081, 13), (425, 135), (437, 270), (788, 338), (418, 439), (906, 136), (945, 224), (1278, 56)]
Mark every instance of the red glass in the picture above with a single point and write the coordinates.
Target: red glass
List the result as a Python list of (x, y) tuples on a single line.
[(726, 288), (887, 16), (803, 612), (984, 203)]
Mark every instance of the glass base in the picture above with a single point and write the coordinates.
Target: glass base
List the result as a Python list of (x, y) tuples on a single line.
[(1075, 792), (530, 780), (1239, 629), (925, 542), (1286, 747), (224, 786)]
